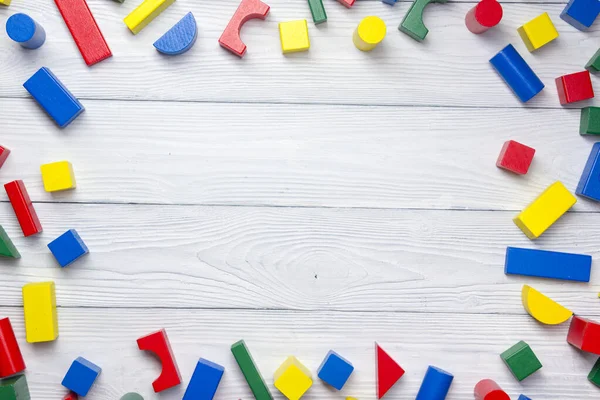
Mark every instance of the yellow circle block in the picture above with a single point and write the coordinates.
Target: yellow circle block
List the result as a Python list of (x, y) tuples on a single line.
[(543, 308), (369, 33)]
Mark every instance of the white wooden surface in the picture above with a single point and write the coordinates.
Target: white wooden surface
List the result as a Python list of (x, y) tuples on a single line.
[(320, 200)]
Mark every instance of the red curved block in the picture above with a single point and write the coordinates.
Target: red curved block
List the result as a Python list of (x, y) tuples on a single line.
[(247, 10), (584, 334), (158, 343), (71, 396), (11, 359), (487, 389), (484, 16)]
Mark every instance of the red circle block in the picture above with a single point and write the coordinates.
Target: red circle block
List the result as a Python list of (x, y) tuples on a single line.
[(484, 16), (487, 389)]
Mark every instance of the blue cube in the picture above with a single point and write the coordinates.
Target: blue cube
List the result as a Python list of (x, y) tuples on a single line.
[(68, 247), (581, 14), (81, 376), (335, 370), (205, 381)]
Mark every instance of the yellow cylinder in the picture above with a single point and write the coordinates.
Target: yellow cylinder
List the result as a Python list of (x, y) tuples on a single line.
[(369, 33)]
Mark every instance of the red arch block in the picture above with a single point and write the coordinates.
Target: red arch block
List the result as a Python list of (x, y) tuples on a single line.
[(158, 343)]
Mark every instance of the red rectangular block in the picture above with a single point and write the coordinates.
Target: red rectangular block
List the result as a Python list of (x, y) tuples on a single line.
[(21, 203), (515, 157), (4, 152), (11, 359), (584, 334), (574, 87)]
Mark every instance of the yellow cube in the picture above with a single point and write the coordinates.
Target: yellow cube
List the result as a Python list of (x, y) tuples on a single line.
[(58, 176), (538, 32), (39, 307), (5, 2), (145, 13), (294, 36), (545, 210), (292, 378)]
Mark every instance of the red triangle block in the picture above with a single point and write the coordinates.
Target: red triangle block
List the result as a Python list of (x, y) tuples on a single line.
[(388, 372)]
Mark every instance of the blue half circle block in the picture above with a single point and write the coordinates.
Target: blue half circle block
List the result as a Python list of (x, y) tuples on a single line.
[(180, 38), (24, 30)]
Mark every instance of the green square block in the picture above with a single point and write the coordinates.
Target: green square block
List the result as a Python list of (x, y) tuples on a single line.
[(594, 375), (590, 121), (14, 388), (521, 360), (594, 64), (7, 248)]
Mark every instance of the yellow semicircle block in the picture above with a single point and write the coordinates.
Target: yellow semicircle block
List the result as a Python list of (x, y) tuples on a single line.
[(543, 308)]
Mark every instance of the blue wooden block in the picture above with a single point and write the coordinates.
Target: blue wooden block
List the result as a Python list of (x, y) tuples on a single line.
[(589, 183), (516, 73), (24, 30), (523, 397), (335, 370), (390, 2), (581, 13), (68, 247), (81, 376), (435, 385), (180, 38), (53, 97), (548, 264), (205, 381)]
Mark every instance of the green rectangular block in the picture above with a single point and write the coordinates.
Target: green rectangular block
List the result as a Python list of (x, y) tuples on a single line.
[(14, 388), (318, 11), (521, 360), (594, 375), (590, 121), (594, 64), (7, 248), (251, 373)]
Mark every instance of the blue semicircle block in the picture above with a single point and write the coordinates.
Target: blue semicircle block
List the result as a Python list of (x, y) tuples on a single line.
[(24, 30), (180, 38)]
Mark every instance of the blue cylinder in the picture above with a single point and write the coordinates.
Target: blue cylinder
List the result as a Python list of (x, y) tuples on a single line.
[(517, 74), (24, 30), (435, 385)]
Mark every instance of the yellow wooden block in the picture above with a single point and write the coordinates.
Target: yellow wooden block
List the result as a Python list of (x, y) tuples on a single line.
[(145, 13), (5, 2), (545, 210), (538, 32), (351, 398), (58, 176), (292, 378), (294, 36), (369, 33), (543, 308), (39, 307)]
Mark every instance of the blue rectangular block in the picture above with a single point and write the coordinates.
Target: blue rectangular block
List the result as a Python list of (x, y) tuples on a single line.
[(205, 381), (581, 13), (335, 370), (81, 376), (53, 97), (68, 247), (523, 397), (589, 183), (436, 384), (390, 2), (516, 73), (548, 264)]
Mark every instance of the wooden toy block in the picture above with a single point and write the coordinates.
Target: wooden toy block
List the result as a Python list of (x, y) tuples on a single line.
[(515, 157), (594, 375), (581, 14), (14, 388), (7, 248), (390, 2), (251, 373), (4, 153), (388, 371), (412, 24), (545, 210), (351, 398), (523, 397), (294, 36), (292, 378), (68, 247), (436, 384), (205, 381), (521, 360), (538, 32), (180, 38), (589, 183), (318, 11), (81, 376), (335, 370), (5, 2), (71, 396), (485, 15), (369, 33), (39, 308), (53, 97), (23, 207), (347, 3), (247, 10), (145, 13), (590, 121), (584, 334), (516, 73), (11, 359), (158, 343), (24, 30), (574, 87), (543, 308), (487, 389), (58, 176), (132, 396), (594, 64), (548, 264)]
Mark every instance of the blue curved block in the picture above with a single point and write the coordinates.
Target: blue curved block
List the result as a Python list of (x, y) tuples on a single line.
[(516, 73), (205, 381), (24, 30), (581, 13), (180, 38), (435, 385), (335, 370)]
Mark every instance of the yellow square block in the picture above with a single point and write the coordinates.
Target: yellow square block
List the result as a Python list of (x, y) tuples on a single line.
[(145, 13), (5, 2), (58, 176), (294, 36), (292, 378), (538, 32), (39, 307), (545, 210)]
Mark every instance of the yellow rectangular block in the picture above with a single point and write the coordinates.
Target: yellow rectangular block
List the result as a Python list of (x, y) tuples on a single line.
[(39, 307), (58, 176), (5, 2), (545, 210), (294, 36), (145, 13), (292, 378), (538, 32)]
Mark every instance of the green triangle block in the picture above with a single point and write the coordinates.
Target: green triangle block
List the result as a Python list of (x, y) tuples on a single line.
[(7, 248), (14, 388), (594, 375), (521, 360), (594, 64)]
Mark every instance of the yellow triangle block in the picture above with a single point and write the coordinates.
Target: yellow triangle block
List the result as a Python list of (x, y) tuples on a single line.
[(543, 308)]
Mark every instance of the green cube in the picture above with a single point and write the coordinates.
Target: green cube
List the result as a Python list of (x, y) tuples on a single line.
[(594, 375), (521, 360), (14, 388), (594, 64), (7, 248), (590, 121)]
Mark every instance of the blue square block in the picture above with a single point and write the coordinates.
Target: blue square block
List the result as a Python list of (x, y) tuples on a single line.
[(523, 397), (589, 183), (205, 381), (81, 376), (68, 247), (581, 13), (335, 370)]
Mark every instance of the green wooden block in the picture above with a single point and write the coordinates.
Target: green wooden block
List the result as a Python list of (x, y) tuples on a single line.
[(318, 11), (7, 248), (590, 121), (594, 64), (132, 396), (14, 388), (594, 375), (412, 24), (251, 373), (521, 360), (119, 1)]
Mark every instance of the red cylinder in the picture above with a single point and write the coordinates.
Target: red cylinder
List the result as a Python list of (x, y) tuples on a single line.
[(483, 16), (487, 389), (11, 360)]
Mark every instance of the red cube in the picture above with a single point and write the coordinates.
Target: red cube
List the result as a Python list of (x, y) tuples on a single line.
[(4, 152), (515, 157), (584, 334), (574, 87)]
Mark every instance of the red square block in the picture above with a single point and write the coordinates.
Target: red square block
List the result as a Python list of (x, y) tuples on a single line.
[(574, 87), (515, 157), (584, 334), (4, 152)]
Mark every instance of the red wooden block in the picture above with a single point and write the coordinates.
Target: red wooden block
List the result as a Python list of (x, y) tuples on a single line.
[(158, 343), (247, 10), (574, 87), (71, 396), (515, 157), (4, 152), (19, 198), (584, 334), (388, 372), (85, 30), (484, 16), (11, 359), (347, 3), (487, 389)]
